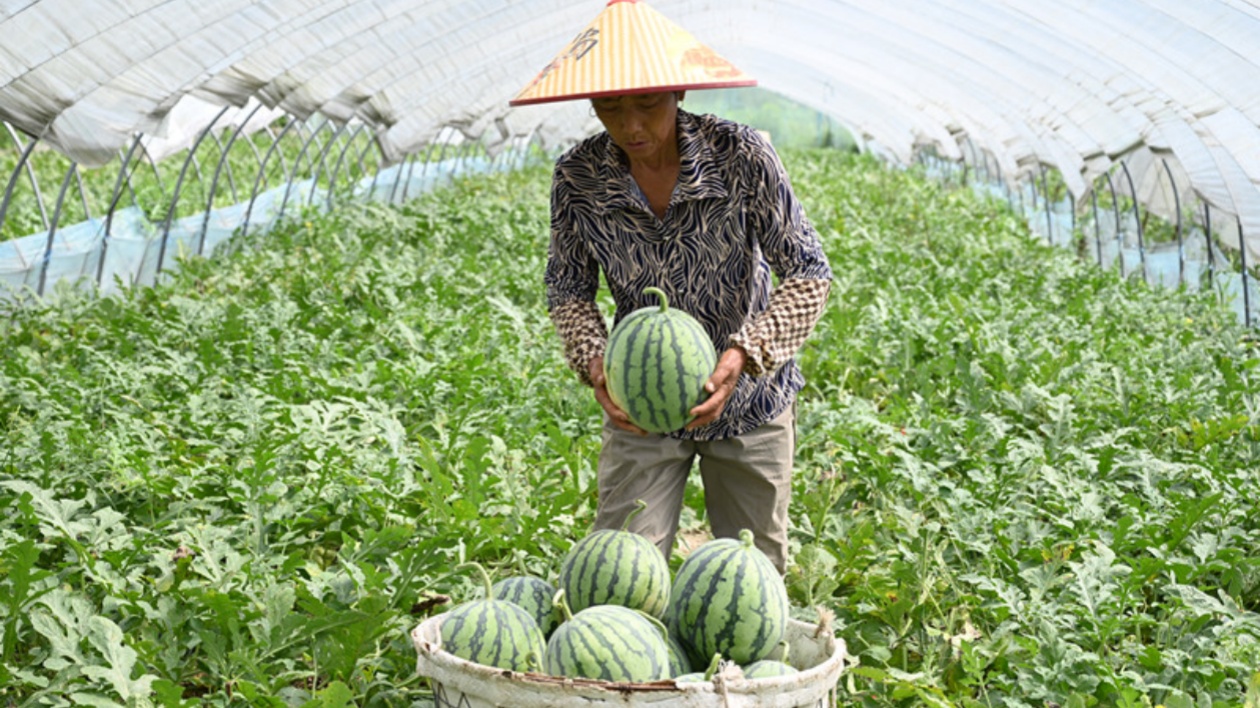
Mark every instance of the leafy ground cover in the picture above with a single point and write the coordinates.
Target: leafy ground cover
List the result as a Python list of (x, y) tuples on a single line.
[(1021, 481)]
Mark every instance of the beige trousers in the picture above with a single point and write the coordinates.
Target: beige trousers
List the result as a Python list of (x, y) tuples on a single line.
[(747, 483)]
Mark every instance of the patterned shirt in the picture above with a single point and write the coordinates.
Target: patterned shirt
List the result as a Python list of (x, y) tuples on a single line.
[(732, 220)]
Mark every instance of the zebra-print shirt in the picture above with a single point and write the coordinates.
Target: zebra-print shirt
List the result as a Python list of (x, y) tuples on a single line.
[(731, 221)]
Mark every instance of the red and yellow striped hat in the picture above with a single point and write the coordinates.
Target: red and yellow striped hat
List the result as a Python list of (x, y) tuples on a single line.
[(630, 48)]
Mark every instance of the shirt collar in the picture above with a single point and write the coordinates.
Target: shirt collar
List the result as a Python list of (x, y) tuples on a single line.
[(699, 176)]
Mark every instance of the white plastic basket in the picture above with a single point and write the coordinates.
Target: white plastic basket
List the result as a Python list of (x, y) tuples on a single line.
[(462, 684)]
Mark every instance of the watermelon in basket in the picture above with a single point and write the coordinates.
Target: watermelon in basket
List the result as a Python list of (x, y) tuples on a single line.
[(815, 650)]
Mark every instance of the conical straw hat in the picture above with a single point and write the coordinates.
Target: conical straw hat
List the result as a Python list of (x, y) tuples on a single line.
[(630, 48)]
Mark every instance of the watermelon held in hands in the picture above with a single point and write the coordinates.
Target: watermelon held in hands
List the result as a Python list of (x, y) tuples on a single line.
[(616, 567), (532, 594), (493, 632), (728, 599), (607, 642), (656, 364)]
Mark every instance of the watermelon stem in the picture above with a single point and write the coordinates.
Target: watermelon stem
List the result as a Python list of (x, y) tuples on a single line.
[(660, 294), (746, 538), (640, 505), (485, 577), (713, 666), (785, 647), (560, 602), (660, 626)]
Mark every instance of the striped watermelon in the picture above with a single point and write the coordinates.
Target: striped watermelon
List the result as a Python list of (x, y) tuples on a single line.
[(534, 595), (701, 676), (616, 567), (656, 364), (771, 668), (679, 664), (768, 668), (607, 642), (493, 632), (728, 598)]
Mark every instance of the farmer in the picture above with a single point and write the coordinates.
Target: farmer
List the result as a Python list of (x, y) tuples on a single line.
[(700, 207)]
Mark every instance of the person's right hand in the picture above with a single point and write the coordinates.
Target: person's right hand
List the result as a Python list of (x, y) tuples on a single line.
[(618, 416)]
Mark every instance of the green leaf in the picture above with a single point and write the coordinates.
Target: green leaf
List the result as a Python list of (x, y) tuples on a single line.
[(335, 695), (120, 660)]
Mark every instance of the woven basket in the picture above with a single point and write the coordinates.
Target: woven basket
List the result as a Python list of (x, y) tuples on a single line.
[(462, 684)]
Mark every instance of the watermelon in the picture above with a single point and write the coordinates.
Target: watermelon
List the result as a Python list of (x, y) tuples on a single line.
[(607, 642), (770, 668), (728, 598), (532, 594), (656, 364), (493, 632), (679, 664), (701, 676), (616, 567)]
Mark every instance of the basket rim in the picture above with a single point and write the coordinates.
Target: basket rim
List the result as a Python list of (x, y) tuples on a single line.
[(827, 670)]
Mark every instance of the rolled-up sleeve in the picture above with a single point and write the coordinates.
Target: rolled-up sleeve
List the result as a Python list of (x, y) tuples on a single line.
[(792, 248), (787, 238), (773, 337), (572, 280)]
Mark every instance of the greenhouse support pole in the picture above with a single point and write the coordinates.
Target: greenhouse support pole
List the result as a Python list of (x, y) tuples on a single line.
[(30, 173), (341, 157), (52, 227), (1207, 236), (371, 140), (123, 178), (1045, 187), (13, 177), (1071, 211), (1242, 253), (179, 184), (323, 159), (262, 171), (1006, 187), (1093, 197), (87, 212), (218, 170), (223, 151), (1181, 248), (1115, 208), (284, 203), (1137, 220), (424, 170)]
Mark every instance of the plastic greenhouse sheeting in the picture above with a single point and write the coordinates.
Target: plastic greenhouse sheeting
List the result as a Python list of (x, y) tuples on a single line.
[(1077, 84), (131, 250)]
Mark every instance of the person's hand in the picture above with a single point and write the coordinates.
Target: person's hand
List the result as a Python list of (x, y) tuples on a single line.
[(719, 386), (618, 416)]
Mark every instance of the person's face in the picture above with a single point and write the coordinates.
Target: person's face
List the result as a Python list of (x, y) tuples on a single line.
[(643, 125)]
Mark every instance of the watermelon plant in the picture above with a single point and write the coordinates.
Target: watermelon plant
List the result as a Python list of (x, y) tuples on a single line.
[(1020, 480), (607, 642), (656, 364), (616, 567), (728, 599), (493, 632)]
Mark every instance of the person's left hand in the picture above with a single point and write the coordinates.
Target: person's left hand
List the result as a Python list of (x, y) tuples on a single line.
[(720, 386)]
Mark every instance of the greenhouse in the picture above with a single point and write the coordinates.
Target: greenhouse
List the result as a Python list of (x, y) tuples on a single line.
[(311, 341)]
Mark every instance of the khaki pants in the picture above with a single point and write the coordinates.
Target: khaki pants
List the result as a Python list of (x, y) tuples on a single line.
[(747, 483)]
